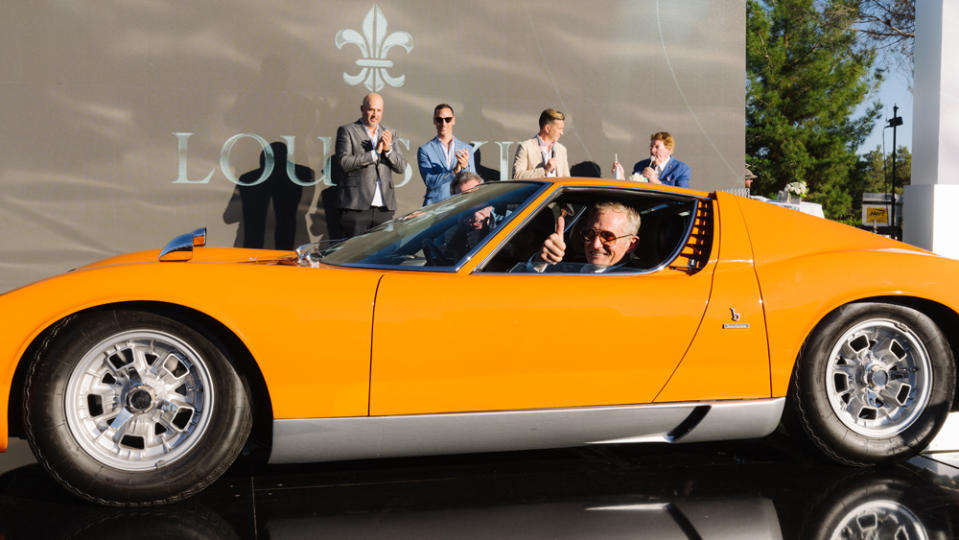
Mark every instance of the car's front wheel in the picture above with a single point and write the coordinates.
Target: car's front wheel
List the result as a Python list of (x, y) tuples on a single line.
[(131, 408), (873, 383)]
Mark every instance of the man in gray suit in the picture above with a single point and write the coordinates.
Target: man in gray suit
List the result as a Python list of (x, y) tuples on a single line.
[(368, 156)]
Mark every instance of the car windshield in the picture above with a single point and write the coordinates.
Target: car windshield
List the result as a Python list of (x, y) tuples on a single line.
[(438, 236)]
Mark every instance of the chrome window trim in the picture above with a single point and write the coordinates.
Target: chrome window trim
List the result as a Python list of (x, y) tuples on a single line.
[(439, 269), (365, 437), (579, 187)]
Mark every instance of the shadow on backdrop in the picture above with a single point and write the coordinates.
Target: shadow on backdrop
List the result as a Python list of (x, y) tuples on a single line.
[(255, 195), (586, 169), (487, 174), (328, 199)]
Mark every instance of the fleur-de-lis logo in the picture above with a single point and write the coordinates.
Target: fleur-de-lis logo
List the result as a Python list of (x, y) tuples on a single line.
[(374, 44)]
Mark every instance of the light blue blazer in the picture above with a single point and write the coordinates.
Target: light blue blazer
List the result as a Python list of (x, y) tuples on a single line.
[(431, 159)]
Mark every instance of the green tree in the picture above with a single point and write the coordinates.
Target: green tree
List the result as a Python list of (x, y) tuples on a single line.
[(876, 171), (806, 75), (874, 175)]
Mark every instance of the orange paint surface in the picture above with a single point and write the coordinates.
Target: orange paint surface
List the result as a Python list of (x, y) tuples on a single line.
[(350, 342), (499, 342)]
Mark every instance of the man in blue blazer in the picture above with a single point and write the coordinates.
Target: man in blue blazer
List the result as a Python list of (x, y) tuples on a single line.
[(661, 167), (440, 159)]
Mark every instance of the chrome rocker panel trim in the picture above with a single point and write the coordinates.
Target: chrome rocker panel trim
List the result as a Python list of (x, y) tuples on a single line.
[(366, 437)]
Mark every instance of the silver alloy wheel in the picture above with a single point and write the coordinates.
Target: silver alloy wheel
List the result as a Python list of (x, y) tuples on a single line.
[(879, 378), (139, 400), (880, 519)]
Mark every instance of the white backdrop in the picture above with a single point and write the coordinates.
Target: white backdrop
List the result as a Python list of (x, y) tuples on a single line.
[(123, 124)]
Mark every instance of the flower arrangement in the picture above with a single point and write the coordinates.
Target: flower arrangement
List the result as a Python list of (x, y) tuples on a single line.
[(798, 189)]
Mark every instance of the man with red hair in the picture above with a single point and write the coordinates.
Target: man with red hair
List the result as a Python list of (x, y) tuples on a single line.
[(660, 167)]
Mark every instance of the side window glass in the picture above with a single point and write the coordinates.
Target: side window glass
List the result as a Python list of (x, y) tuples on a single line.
[(438, 236), (673, 233)]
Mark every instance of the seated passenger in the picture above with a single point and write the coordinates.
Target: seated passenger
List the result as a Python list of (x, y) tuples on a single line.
[(469, 232), (609, 234), (465, 181)]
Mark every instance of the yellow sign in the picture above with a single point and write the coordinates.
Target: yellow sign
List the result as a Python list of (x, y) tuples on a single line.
[(877, 214), (874, 215)]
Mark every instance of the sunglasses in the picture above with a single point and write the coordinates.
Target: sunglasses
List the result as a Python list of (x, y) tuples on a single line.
[(441, 119), (606, 237)]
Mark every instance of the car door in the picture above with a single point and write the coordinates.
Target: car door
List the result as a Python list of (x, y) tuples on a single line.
[(446, 342)]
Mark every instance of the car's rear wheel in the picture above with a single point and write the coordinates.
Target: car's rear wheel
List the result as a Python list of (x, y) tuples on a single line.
[(873, 383), (882, 503), (131, 408)]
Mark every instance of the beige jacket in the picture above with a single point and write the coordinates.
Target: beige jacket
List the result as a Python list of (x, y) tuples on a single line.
[(528, 161)]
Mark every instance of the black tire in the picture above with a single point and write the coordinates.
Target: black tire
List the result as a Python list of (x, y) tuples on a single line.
[(873, 383), (880, 504), (130, 408), (181, 523)]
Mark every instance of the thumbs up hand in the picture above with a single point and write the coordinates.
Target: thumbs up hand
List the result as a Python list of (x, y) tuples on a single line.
[(554, 247)]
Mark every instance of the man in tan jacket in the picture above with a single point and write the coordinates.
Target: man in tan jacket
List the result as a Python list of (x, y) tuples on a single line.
[(542, 155)]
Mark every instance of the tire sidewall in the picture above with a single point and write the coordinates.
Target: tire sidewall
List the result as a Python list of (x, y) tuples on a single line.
[(60, 453), (811, 402)]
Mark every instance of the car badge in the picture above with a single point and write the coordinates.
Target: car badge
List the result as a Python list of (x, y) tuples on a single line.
[(734, 315)]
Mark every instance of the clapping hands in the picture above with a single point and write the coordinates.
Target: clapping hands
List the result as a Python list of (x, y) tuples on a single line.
[(385, 142), (462, 160)]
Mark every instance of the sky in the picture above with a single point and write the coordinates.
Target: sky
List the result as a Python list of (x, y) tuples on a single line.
[(894, 91)]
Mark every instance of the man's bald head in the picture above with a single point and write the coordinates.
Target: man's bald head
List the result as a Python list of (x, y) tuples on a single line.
[(372, 110)]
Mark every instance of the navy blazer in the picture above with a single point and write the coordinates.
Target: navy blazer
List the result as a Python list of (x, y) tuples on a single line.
[(676, 172), (431, 158)]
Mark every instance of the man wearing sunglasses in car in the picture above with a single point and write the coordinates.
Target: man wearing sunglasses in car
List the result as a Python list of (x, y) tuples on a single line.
[(609, 235)]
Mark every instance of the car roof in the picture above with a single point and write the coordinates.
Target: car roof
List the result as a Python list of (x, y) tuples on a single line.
[(609, 182)]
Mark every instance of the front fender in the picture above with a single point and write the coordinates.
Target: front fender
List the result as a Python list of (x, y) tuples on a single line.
[(277, 311)]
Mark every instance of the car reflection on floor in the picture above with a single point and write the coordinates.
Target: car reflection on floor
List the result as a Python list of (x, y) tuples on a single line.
[(747, 490)]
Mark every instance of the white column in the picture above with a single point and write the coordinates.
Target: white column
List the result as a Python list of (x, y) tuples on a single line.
[(931, 203)]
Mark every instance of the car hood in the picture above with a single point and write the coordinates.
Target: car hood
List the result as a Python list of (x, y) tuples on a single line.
[(200, 255)]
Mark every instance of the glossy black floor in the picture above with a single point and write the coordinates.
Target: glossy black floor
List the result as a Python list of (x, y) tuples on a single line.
[(733, 490)]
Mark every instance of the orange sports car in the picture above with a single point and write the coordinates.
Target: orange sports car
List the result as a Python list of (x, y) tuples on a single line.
[(519, 315)]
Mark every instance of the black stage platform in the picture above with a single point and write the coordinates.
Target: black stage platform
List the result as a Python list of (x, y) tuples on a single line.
[(758, 489)]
